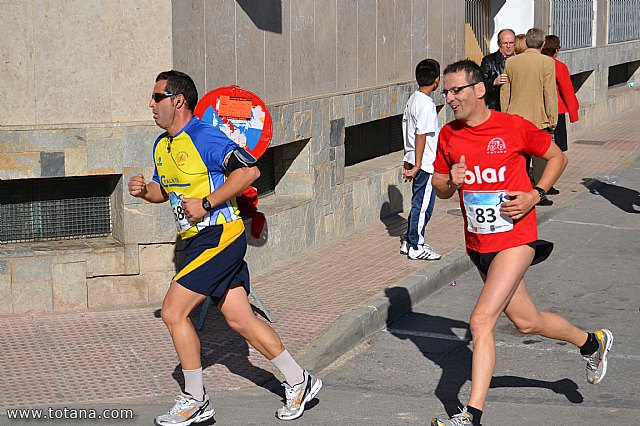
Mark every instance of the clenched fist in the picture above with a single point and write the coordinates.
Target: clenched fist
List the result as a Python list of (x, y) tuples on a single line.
[(137, 186)]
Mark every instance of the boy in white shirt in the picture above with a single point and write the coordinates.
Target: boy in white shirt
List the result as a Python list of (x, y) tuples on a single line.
[(420, 132)]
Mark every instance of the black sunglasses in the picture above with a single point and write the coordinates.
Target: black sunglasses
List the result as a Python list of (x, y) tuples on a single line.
[(157, 97)]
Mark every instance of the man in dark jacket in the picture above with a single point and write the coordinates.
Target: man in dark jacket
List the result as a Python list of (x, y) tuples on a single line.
[(493, 67)]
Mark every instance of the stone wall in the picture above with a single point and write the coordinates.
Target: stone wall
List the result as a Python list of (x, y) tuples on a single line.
[(598, 101), (320, 66), (81, 61)]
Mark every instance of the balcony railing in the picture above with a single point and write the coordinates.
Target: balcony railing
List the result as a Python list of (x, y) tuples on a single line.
[(624, 20), (572, 22)]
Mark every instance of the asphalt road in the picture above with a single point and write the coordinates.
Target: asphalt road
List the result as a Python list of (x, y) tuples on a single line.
[(419, 366)]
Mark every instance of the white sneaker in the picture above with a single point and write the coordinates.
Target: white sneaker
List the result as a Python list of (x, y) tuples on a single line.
[(404, 247), (423, 252), (298, 395), (187, 410)]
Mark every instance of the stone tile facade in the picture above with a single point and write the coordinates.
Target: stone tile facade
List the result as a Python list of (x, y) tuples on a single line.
[(321, 67)]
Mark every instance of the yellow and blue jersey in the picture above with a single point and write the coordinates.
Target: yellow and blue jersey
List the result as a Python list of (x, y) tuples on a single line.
[(191, 163)]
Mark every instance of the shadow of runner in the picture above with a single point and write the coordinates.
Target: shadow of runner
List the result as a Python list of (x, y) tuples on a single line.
[(625, 199), (445, 342)]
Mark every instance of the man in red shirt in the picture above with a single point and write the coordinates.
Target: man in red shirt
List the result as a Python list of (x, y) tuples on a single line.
[(481, 156)]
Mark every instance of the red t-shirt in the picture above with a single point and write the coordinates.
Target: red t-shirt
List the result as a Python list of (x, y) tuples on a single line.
[(494, 155)]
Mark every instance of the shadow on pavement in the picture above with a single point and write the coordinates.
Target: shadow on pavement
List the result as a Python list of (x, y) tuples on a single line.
[(625, 199), (445, 342), (390, 213)]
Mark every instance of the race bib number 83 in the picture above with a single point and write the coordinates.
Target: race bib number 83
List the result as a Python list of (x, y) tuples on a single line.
[(482, 209)]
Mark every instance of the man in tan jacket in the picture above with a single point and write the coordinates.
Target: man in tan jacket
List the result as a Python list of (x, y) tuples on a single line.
[(530, 90)]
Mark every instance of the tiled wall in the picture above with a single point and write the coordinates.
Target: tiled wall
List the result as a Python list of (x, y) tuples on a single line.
[(74, 62)]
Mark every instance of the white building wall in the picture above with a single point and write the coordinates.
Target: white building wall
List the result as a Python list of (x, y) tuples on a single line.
[(514, 14)]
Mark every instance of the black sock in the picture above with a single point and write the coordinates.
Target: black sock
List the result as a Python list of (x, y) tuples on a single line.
[(477, 414), (590, 346)]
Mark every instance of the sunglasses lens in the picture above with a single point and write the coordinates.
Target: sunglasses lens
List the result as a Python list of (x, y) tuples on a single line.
[(157, 97)]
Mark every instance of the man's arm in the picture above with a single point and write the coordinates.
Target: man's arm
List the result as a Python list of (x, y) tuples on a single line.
[(550, 93), (556, 163), (446, 185), (520, 202), (243, 173), (151, 192), (505, 90), (238, 181), (488, 75), (421, 143)]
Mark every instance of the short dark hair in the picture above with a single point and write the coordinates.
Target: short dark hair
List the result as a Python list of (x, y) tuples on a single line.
[(535, 38), (180, 83), (427, 71), (473, 71), (551, 45)]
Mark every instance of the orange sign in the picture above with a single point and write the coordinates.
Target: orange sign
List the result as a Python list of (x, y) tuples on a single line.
[(235, 107)]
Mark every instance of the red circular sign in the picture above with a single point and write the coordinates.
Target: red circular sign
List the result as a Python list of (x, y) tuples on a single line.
[(239, 114)]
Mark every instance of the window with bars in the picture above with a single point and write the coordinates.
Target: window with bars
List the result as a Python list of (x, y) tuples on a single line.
[(374, 139), (55, 208)]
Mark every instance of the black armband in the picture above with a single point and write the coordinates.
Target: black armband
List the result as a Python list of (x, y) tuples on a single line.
[(238, 159)]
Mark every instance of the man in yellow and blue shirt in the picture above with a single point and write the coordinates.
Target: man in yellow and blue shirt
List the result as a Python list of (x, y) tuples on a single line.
[(200, 171)]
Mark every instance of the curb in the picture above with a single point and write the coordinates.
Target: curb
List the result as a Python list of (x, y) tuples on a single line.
[(362, 321), (359, 323)]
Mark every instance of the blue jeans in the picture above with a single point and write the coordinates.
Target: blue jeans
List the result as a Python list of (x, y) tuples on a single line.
[(423, 198)]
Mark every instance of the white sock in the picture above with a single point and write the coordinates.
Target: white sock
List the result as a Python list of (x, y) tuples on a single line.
[(193, 383), (292, 372)]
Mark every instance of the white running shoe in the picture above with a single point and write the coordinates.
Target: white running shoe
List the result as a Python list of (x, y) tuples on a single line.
[(187, 410), (297, 396), (423, 252)]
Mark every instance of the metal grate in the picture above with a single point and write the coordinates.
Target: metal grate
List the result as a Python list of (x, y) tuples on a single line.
[(55, 209), (373, 139), (572, 22), (478, 16), (624, 20)]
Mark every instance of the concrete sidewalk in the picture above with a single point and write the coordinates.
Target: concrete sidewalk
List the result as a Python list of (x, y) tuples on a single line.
[(326, 301)]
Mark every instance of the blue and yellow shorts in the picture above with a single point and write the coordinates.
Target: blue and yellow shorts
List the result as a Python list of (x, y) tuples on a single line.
[(214, 260)]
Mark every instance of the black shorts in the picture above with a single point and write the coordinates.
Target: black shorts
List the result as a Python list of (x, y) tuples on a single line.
[(483, 260), (214, 261)]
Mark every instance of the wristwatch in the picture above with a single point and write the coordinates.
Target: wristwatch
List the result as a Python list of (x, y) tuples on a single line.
[(541, 192), (206, 204)]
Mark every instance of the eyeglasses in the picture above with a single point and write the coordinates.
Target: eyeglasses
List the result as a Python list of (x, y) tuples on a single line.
[(456, 90), (157, 97)]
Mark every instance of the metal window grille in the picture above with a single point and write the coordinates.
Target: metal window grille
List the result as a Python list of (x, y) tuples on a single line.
[(55, 209), (478, 16), (374, 139), (624, 20), (572, 22)]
